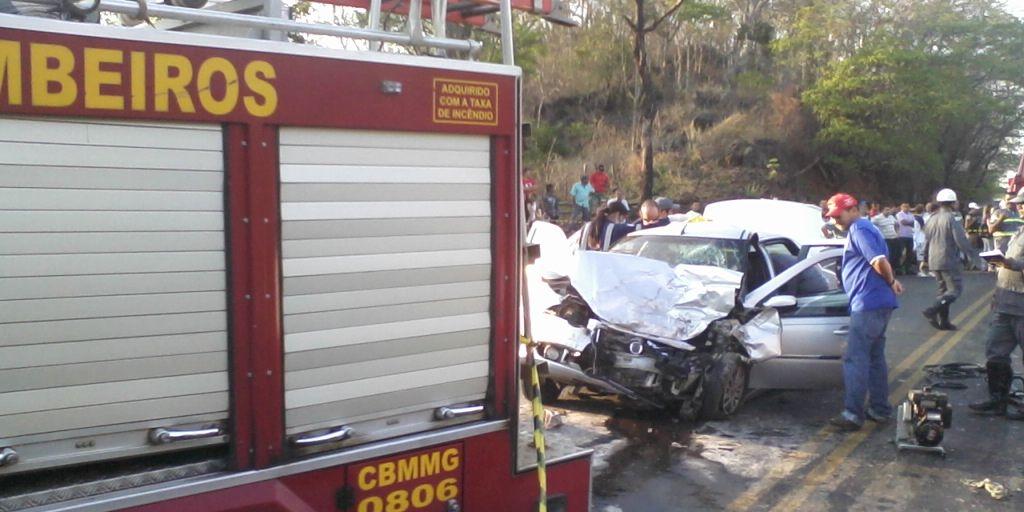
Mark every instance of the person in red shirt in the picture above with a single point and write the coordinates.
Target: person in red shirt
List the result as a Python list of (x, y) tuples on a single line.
[(529, 184), (599, 180)]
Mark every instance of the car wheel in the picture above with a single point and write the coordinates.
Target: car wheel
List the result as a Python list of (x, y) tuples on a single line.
[(550, 391), (688, 410), (725, 386), (191, 4)]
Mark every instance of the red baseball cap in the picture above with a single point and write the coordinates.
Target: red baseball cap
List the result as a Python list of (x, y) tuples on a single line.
[(839, 203)]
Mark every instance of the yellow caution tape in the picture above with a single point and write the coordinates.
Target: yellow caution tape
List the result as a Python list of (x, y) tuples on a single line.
[(538, 424)]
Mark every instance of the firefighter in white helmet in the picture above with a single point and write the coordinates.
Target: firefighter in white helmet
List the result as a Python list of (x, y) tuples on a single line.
[(945, 241)]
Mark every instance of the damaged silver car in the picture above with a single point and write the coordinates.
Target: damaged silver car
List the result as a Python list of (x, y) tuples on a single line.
[(689, 317)]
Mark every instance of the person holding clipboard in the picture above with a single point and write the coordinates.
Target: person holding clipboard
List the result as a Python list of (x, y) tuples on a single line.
[(1006, 331)]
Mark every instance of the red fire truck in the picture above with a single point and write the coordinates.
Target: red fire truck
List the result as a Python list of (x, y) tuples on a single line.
[(253, 275)]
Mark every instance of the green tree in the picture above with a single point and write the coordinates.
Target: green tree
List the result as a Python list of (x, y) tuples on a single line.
[(934, 98)]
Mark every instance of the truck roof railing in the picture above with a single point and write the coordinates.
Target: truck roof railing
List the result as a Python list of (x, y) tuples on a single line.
[(412, 36)]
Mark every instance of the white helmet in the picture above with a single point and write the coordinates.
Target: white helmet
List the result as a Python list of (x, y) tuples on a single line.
[(946, 195)]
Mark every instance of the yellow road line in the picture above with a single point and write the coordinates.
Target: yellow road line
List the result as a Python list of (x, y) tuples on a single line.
[(753, 494), (826, 470)]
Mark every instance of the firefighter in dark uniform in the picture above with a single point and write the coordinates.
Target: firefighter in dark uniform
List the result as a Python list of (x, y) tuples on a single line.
[(945, 242), (1006, 332)]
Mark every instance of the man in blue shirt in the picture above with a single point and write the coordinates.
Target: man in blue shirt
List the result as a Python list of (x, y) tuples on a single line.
[(581, 192), (872, 287)]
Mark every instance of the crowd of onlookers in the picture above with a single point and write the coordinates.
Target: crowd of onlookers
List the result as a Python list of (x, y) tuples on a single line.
[(591, 193), (988, 227), (600, 209), (594, 199)]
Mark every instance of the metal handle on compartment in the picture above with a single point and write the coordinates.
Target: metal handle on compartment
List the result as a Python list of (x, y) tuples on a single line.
[(333, 436), (447, 413), (8, 457), (842, 331), (167, 435)]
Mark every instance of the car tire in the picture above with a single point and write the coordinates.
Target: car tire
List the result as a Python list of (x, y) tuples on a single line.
[(689, 410), (725, 387), (191, 4), (550, 391)]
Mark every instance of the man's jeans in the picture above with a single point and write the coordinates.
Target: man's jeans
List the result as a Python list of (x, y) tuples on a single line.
[(581, 211), (865, 373), (895, 252), (907, 263)]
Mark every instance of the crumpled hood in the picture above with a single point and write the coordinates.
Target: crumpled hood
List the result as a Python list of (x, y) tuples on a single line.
[(650, 298)]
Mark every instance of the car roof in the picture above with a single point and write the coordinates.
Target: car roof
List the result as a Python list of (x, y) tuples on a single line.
[(800, 222), (704, 229), (753, 203)]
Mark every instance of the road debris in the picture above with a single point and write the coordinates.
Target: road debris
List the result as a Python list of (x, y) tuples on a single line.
[(995, 489), (552, 419)]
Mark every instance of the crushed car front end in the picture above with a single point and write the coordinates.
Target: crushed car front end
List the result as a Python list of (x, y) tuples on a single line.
[(658, 336)]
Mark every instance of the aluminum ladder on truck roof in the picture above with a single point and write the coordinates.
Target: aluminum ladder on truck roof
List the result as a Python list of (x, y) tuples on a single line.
[(413, 35)]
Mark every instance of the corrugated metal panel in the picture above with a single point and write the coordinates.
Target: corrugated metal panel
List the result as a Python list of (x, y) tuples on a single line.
[(387, 281), (136, 349), (85, 155), (116, 327), (384, 244), (399, 402), (344, 318), (113, 314), (323, 376), (122, 284), (380, 332), (378, 262), (110, 179), (368, 173), (333, 356), (309, 229), (63, 221), (366, 298), (394, 191), (396, 156), (22, 379), (169, 410), (71, 243)]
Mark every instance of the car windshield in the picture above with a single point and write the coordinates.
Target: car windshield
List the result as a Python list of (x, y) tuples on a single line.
[(678, 250)]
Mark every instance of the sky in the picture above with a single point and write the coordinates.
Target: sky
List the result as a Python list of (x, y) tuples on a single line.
[(1016, 7)]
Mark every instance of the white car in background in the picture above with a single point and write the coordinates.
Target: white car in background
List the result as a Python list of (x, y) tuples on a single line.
[(800, 222)]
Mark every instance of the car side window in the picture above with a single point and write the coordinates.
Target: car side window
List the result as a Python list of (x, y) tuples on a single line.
[(818, 291), (778, 247)]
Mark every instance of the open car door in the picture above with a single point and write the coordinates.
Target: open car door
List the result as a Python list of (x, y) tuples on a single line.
[(815, 317)]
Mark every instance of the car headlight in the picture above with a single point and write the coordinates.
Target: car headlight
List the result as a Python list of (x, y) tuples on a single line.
[(552, 353), (636, 346)]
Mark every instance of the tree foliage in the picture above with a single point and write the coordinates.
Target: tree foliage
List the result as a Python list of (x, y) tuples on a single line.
[(891, 99)]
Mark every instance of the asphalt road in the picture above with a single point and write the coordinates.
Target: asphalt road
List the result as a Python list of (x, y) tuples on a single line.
[(778, 454)]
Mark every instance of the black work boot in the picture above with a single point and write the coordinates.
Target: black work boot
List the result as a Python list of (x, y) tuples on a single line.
[(944, 323), (999, 375), (932, 314)]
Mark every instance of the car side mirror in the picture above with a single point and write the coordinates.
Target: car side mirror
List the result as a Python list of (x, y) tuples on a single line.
[(781, 302)]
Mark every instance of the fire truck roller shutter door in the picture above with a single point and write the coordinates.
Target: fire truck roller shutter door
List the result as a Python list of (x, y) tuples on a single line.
[(112, 281), (387, 257)]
